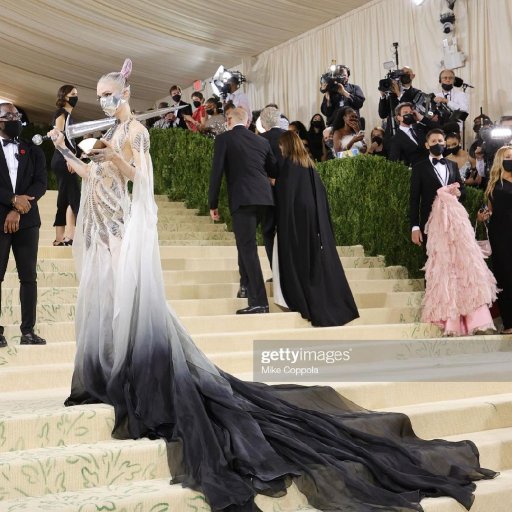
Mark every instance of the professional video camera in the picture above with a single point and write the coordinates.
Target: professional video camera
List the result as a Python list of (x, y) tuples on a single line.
[(221, 80), (332, 79), (424, 104), (385, 83)]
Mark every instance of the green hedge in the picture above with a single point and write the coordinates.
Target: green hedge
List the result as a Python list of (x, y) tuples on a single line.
[(369, 196)]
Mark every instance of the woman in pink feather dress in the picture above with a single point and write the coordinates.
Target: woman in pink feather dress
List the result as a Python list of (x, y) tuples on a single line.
[(459, 285)]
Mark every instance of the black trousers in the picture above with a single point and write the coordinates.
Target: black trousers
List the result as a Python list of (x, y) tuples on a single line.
[(245, 222), (268, 230), (68, 189), (24, 245)]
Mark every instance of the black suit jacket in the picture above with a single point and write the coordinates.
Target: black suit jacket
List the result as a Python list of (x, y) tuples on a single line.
[(273, 136), (181, 112), (31, 181), (248, 161), (402, 148), (387, 107), (424, 185)]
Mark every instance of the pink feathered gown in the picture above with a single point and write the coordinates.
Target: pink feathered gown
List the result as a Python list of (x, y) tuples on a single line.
[(459, 285)]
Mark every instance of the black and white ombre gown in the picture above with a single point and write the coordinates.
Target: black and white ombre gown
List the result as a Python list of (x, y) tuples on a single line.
[(237, 439)]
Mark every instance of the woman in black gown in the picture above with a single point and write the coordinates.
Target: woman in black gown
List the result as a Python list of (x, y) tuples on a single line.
[(238, 439), (499, 195), (68, 184), (311, 276)]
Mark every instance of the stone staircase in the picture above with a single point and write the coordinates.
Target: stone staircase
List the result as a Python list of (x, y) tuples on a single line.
[(64, 459)]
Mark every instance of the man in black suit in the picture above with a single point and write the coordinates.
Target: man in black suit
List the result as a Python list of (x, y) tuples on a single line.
[(248, 161), (401, 92), (22, 184), (426, 178), (270, 120), (176, 119), (408, 144)]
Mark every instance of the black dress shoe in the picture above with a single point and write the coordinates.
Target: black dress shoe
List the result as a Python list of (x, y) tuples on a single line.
[(242, 292), (31, 339), (3, 341), (251, 310)]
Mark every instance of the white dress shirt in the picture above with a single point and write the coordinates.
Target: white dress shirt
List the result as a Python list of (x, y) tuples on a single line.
[(240, 99), (11, 157), (457, 99)]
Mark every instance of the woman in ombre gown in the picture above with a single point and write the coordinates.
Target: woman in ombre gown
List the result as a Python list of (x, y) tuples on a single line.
[(238, 439)]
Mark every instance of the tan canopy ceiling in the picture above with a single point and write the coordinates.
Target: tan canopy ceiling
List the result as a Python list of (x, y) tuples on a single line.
[(47, 43)]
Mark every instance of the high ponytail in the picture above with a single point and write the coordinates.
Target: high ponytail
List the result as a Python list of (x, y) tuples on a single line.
[(120, 77)]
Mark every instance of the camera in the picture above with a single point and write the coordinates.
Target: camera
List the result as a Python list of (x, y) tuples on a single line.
[(385, 83), (220, 82), (330, 81), (447, 18), (494, 137)]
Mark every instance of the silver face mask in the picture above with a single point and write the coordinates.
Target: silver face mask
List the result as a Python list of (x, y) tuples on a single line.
[(110, 104)]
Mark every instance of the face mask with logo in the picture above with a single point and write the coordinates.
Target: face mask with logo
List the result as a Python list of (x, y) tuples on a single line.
[(447, 87), (73, 100), (12, 128), (408, 119), (176, 98), (436, 149), (507, 165), (110, 104)]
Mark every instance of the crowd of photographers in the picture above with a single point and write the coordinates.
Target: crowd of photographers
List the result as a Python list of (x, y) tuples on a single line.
[(338, 130)]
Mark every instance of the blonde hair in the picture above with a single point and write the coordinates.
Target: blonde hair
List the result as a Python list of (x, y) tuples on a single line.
[(120, 78), (293, 148), (496, 170)]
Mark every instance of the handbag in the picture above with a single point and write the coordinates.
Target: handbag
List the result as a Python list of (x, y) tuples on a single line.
[(485, 245)]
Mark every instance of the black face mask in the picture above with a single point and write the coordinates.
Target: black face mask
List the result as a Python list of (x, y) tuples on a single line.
[(12, 128), (408, 119), (73, 100), (436, 149), (507, 165), (176, 98), (197, 104), (344, 80), (377, 140), (316, 124), (405, 79), (452, 151), (476, 128), (447, 87), (210, 111)]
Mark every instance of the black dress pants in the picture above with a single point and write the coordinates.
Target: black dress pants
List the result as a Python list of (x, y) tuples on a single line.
[(24, 245), (68, 189), (245, 222)]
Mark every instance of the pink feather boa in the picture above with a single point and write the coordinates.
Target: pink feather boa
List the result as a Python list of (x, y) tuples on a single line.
[(458, 281)]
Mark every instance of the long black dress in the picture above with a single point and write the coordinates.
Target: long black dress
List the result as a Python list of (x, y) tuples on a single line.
[(68, 185), (500, 236), (310, 272), (238, 438)]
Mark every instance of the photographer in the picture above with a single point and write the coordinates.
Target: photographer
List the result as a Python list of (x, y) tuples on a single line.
[(236, 96), (490, 139), (339, 93), (408, 143), (393, 92), (454, 99)]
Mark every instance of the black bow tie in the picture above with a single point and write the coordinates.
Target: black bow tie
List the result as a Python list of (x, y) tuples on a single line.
[(439, 161), (9, 141)]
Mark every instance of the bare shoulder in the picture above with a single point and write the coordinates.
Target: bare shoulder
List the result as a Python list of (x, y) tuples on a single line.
[(139, 136)]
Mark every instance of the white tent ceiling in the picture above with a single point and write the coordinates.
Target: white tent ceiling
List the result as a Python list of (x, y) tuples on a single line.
[(47, 43)]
